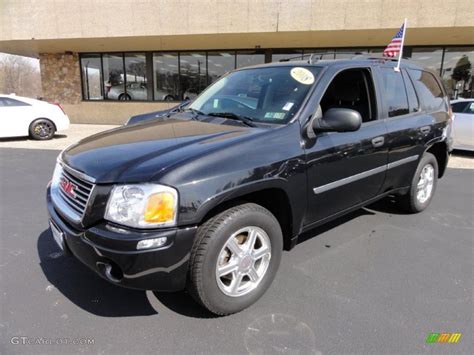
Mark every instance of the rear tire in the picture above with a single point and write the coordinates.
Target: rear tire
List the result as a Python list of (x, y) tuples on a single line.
[(234, 259), (423, 185), (42, 129), (124, 97)]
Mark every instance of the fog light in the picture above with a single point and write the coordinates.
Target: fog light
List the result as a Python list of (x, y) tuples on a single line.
[(151, 243)]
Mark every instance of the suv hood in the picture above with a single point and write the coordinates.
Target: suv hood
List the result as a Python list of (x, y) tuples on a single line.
[(139, 152)]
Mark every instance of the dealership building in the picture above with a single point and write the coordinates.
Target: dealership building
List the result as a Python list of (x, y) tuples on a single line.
[(107, 60)]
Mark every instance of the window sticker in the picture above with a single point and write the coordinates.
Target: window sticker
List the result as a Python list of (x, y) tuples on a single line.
[(288, 106), (275, 115), (215, 103), (302, 75)]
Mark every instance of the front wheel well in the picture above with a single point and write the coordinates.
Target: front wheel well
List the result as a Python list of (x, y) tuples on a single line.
[(440, 151), (275, 200)]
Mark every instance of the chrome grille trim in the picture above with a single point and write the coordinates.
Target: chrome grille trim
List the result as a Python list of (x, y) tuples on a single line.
[(73, 208)]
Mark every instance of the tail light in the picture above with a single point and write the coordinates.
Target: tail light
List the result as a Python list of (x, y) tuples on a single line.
[(59, 105)]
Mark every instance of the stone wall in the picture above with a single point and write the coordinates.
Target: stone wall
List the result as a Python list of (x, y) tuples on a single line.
[(60, 77)]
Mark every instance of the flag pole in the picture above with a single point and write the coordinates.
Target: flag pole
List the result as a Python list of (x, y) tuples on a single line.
[(397, 68)]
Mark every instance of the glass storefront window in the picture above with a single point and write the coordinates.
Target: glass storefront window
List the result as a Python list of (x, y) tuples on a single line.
[(192, 70), (219, 63), (114, 78), (248, 58), (278, 55), (166, 76), (348, 53), (458, 73), (429, 57), (91, 77), (135, 68)]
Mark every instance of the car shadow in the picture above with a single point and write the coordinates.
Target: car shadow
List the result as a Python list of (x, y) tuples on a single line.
[(183, 304), (26, 138), (86, 289), (463, 153), (315, 232)]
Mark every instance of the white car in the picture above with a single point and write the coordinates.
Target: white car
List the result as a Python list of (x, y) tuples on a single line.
[(463, 125), (22, 116)]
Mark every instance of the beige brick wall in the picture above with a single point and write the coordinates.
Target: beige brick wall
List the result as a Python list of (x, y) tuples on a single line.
[(110, 112), (60, 77)]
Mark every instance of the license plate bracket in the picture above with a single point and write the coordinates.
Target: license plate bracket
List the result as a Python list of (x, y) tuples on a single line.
[(58, 235)]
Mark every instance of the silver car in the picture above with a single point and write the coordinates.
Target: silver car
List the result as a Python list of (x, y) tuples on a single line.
[(463, 125), (136, 91)]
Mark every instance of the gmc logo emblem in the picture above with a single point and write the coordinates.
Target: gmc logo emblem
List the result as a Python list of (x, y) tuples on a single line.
[(68, 187)]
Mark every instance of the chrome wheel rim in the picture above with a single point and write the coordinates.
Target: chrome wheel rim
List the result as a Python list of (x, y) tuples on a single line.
[(43, 129), (243, 261), (425, 183)]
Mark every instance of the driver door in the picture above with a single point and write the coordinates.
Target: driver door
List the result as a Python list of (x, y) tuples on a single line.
[(348, 168)]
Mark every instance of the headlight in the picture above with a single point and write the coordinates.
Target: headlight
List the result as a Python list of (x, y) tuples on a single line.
[(142, 206), (56, 176)]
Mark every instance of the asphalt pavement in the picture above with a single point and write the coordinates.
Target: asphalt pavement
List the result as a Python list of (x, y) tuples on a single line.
[(376, 281)]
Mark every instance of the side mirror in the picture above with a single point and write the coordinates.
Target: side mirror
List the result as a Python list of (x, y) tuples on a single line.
[(338, 120)]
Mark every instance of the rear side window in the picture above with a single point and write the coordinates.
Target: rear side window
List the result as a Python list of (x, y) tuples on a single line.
[(395, 95), (459, 107), (7, 102), (429, 91), (412, 98), (470, 108)]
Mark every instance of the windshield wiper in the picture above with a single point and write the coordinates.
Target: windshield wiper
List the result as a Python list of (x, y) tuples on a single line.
[(230, 115), (196, 113)]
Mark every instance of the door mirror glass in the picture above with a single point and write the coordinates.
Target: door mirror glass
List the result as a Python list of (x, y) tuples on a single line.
[(338, 120)]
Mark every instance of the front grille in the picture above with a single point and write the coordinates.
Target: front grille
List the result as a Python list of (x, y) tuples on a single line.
[(74, 191)]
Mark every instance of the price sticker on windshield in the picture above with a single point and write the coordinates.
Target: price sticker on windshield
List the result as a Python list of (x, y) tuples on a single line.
[(302, 75)]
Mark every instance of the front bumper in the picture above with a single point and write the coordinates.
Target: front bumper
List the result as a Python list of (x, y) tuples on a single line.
[(111, 252)]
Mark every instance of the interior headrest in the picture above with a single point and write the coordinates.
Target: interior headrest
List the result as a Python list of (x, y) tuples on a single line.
[(347, 87)]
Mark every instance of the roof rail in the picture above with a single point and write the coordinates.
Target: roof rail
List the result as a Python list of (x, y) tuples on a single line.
[(314, 57)]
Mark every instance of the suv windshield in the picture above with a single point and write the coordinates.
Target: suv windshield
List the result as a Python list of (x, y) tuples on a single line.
[(270, 95)]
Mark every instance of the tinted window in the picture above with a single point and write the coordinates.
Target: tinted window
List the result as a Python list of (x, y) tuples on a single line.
[(428, 57), (395, 95), (114, 77), (459, 106), (91, 77), (430, 93), (166, 76), (458, 71), (192, 80), (135, 73), (412, 98), (352, 89)]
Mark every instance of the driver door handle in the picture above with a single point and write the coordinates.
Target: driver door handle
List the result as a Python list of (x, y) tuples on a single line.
[(378, 141)]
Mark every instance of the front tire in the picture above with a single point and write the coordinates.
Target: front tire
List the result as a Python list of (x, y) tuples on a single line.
[(423, 185), (235, 258), (42, 129)]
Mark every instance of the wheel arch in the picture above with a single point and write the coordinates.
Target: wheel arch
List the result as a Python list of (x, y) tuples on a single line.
[(274, 199), (440, 151)]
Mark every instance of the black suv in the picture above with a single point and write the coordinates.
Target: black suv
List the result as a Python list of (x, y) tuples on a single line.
[(207, 198)]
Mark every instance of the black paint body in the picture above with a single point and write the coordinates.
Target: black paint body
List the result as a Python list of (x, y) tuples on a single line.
[(211, 163)]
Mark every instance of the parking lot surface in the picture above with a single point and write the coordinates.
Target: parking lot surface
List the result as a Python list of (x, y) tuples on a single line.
[(376, 281)]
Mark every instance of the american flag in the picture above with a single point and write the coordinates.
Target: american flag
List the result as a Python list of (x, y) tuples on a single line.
[(395, 45)]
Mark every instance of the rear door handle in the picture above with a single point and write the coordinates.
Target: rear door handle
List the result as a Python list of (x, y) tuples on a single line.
[(425, 129), (378, 141)]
